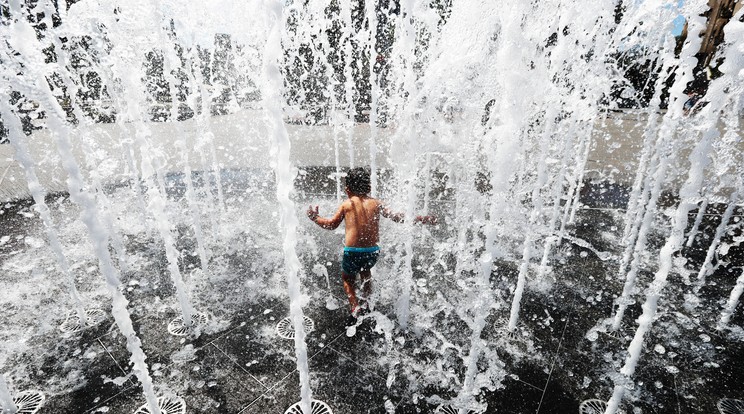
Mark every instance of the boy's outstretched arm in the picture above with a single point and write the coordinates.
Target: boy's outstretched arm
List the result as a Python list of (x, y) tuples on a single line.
[(327, 223), (400, 217), (396, 217), (426, 220)]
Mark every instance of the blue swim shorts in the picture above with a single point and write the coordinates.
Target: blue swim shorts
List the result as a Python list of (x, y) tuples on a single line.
[(357, 259)]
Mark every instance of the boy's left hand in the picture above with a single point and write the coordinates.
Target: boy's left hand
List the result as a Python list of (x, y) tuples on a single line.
[(312, 214)]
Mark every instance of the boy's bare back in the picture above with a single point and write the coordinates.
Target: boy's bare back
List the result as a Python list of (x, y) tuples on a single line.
[(362, 216)]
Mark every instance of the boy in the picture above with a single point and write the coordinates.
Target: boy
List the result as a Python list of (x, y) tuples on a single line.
[(362, 215)]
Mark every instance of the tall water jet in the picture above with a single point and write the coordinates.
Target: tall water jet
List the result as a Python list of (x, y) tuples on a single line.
[(284, 180), (191, 197), (150, 168), (371, 15), (23, 40), (658, 150), (502, 144), (639, 246), (705, 268), (170, 63), (38, 194), (406, 39), (732, 302), (204, 138), (690, 191), (73, 90), (698, 219), (350, 109), (325, 26), (8, 405), (537, 206)]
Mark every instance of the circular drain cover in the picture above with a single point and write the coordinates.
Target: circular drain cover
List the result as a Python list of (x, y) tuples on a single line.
[(730, 406), (72, 321), (285, 329), (28, 402), (176, 326), (167, 405), (592, 407), (318, 407), (448, 409), (511, 335), (616, 334)]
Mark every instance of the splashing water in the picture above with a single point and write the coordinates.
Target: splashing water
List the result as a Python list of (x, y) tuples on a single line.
[(497, 117), (5, 398)]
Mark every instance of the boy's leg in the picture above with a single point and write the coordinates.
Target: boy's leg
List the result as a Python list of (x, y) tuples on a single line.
[(366, 276), (350, 292)]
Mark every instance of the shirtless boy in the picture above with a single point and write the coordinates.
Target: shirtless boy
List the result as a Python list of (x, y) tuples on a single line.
[(362, 215)]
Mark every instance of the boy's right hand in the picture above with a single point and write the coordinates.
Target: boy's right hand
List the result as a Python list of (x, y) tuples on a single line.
[(312, 214), (433, 220)]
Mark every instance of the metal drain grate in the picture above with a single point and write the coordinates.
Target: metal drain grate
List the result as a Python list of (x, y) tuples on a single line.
[(176, 326), (317, 407), (167, 405), (28, 402), (72, 322), (730, 406), (448, 409), (616, 334), (512, 335), (593, 407), (285, 329)]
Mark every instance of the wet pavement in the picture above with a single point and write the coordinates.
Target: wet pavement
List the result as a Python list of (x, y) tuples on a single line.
[(239, 364)]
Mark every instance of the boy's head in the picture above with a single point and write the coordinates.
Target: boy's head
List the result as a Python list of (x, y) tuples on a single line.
[(358, 182)]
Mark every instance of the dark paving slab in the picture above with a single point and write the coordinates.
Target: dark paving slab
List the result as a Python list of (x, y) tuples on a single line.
[(365, 347), (515, 397), (212, 383), (209, 382), (338, 381), (259, 350), (269, 363), (125, 402), (96, 375), (157, 344)]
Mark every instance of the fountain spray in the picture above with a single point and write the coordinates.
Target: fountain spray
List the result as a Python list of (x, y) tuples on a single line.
[(24, 37), (284, 181), (37, 192), (690, 192), (6, 400), (706, 267), (149, 167)]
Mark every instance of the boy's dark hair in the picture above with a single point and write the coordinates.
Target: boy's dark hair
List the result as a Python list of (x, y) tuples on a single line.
[(358, 181)]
